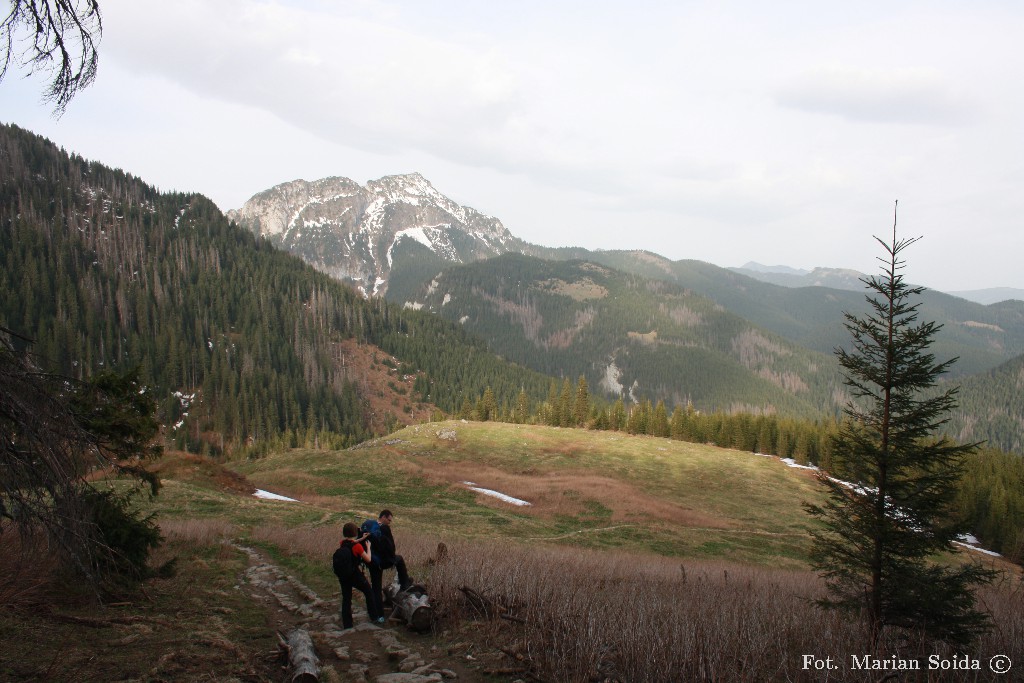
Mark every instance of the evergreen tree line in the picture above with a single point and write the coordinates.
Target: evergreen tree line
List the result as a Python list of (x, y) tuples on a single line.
[(990, 495), (238, 340)]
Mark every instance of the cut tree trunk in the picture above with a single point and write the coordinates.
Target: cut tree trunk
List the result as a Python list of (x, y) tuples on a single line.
[(302, 657), (413, 604)]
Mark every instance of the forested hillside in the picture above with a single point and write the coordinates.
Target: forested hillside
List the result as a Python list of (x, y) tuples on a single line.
[(992, 407), (238, 340), (632, 336), (982, 337)]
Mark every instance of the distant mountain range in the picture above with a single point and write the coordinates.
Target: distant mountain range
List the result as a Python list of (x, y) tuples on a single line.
[(845, 278), (400, 238), (242, 340)]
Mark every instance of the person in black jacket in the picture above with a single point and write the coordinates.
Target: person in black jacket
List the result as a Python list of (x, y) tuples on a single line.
[(351, 553), (385, 557)]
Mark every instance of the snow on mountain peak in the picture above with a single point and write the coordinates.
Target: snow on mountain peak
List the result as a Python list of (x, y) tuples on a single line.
[(352, 231)]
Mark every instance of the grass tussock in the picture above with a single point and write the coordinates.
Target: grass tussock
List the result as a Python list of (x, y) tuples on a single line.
[(311, 542), (208, 531), (580, 616)]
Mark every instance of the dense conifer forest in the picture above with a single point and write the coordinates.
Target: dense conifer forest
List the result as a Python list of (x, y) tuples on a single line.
[(237, 339)]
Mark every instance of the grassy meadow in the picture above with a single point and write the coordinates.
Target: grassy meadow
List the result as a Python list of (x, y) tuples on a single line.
[(585, 489), (639, 559)]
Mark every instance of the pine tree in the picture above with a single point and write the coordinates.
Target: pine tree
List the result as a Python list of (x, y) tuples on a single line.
[(488, 409), (875, 552), (581, 409), (565, 417), (617, 416), (522, 407), (659, 421)]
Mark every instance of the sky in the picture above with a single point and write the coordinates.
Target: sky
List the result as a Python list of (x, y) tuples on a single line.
[(727, 132)]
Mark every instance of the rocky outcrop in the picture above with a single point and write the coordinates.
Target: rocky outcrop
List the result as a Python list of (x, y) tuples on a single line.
[(355, 232)]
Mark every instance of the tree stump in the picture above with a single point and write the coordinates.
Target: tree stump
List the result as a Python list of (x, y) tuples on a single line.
[(413, 604)]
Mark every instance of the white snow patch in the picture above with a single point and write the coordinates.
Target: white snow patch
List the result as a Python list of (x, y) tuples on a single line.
[(977, 549), (414, 305), (376, 285), (495, 494), (463, 319), (610, 381), (790, 462), (971, 542), (632, 391), (416, 234), (267, 495), (447, 299), (966, 540)]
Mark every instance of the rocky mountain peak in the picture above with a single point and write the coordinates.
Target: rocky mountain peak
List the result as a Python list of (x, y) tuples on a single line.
[(356, 232)]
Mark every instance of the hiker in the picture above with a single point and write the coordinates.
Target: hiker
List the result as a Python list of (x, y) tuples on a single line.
[(383, 554), (347, 562)]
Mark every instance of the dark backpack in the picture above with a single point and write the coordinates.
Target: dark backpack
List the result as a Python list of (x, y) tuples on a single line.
[(372, 527), (346, 564)]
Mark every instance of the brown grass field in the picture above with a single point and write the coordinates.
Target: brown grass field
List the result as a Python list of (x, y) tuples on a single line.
[(639, 559)]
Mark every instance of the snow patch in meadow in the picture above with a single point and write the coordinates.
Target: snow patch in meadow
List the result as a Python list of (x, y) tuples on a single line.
[(267, 495), (790, 462), (495, 494), (967, 540), (977, 549)]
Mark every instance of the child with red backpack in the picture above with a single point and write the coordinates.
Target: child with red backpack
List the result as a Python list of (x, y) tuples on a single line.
[(347, 563)]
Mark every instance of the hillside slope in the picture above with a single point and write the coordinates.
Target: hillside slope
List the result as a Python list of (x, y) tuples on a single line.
[(992, 407), (241, 343), (982, 337), (630, 336)]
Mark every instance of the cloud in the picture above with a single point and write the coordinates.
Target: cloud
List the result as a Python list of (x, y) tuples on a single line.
[(345, 76), (903, 96)]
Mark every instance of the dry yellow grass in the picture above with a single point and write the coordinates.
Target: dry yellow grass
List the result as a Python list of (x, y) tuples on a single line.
[(583, 616)]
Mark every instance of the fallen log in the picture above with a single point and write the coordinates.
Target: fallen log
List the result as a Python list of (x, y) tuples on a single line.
[(413, 604), (302, 657)]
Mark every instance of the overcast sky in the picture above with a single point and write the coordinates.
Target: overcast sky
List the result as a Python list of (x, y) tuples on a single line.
[(721, 131)]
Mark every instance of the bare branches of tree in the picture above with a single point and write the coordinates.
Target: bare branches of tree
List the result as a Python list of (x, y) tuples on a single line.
[(54, 36)]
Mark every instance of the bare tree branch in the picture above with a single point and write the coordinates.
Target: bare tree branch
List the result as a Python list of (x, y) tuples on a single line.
[(58, 37)]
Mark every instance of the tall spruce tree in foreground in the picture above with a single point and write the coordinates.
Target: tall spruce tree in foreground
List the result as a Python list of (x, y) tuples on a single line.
[(881, 536)]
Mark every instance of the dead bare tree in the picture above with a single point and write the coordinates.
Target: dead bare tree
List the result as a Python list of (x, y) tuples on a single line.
[(55, 36)]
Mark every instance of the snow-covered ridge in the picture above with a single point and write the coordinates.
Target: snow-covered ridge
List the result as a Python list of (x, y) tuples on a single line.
[(350, 231)]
